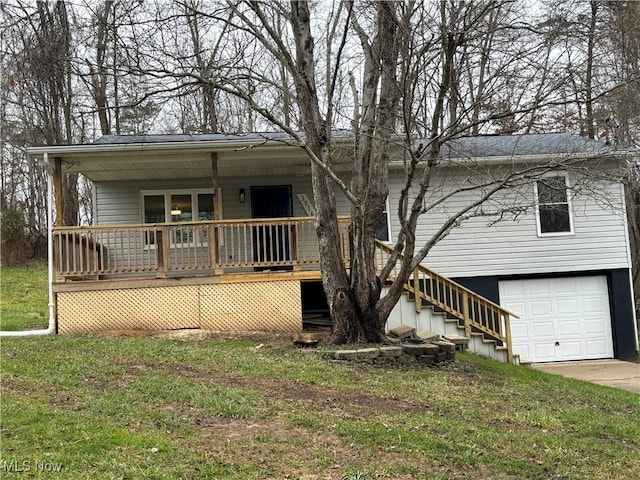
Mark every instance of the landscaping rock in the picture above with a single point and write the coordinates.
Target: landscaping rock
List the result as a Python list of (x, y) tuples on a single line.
[(390, 352), (428, 336), (459, 341), (403, 331), (350, 355), (420, 349), (427, 359), (445, 346), (368, 353)]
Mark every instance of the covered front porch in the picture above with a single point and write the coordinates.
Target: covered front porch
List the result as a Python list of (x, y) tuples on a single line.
[(185, 229)]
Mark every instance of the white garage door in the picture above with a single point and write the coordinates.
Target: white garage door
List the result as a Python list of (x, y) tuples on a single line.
[(560, 318)]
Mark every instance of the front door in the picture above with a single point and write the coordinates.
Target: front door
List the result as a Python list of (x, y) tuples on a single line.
[(271, 243)]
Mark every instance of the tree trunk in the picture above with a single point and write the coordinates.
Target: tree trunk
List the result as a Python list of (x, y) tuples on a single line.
[(590, 127), (98, 73), (352, 301)]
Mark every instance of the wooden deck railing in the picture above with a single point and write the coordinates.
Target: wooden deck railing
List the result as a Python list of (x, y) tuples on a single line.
[(169, 248), (476, 312)]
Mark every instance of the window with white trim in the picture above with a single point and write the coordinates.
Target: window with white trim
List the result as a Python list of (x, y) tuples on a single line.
[(384, 233), (176, 205), (553, 206), (160, 206)]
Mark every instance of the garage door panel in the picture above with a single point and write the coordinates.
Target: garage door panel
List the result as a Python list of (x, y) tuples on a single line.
[(594, 305), (514, 289), (567, 307), (592, 284), (539, 308), (569, 349), (569, 328), (560, 318), (538, 287), (596, 347), (543, 329), (564, 286), (519, 330), (595, 326), (546, 352)]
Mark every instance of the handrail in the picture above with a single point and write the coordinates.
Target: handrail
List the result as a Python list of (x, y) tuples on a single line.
[(162, 249), (341, 219), (475, 311)]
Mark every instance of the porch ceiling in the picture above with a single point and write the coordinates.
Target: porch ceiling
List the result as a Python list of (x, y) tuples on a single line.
[(106, 163), (181, 165)]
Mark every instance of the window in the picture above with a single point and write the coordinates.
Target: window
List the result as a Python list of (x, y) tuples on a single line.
[(553, 206), (177, 206), (383, 224), (154, 209)]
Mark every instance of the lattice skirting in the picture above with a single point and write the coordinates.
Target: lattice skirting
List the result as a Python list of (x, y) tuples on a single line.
[(263, 306), (256, 306)]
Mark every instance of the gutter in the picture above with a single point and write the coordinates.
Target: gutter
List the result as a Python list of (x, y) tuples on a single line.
[(191, 146), (521, 159), (52, 313)]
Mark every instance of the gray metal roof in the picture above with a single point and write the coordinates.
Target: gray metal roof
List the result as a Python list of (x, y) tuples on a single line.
[(204, 137), (478, 146), (528, 144)]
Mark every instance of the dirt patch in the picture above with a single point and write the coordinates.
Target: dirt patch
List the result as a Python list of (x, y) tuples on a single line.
[(196, 334), (343, 403), (288, 451)]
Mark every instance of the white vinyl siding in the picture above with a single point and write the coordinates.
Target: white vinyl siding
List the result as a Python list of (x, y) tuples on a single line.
[(120, 202), (512, 246), (508, 247)]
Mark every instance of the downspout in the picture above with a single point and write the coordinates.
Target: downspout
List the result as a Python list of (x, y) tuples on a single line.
[(52, 314), (625, 220)]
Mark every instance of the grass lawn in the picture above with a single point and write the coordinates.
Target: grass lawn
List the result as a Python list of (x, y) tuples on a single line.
[(255, 407), (24, 297)]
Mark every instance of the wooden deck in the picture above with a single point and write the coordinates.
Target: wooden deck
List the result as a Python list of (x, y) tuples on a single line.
[(209, 248), (247, 277)]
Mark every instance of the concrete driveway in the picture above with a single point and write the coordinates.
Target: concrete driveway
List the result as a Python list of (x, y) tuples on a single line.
[(612, 373)]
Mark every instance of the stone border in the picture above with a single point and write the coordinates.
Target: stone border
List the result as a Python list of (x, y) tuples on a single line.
[(428, 353)]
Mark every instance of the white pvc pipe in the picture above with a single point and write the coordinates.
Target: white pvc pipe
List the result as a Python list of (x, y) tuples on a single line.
[(52, 318)]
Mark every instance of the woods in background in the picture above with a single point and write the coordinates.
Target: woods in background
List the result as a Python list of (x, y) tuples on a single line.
[(75, 71)]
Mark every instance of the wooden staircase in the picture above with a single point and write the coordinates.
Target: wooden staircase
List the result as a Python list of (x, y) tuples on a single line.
[(436, 303)]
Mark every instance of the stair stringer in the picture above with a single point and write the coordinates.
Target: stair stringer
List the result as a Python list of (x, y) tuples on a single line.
[(404, 313)]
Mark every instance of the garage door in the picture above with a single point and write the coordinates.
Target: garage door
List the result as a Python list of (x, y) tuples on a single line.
[(560, 318)]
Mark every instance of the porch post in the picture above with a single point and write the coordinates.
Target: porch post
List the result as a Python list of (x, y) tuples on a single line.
[(57, 184), (215, 182), (217, 205)]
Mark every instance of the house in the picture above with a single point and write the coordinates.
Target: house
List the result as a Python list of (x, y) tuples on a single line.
[(216, 231)]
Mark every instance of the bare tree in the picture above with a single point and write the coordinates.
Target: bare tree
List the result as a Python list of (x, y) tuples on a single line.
[(98, 70), (410, 56), (622, 34), (392, 72)]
